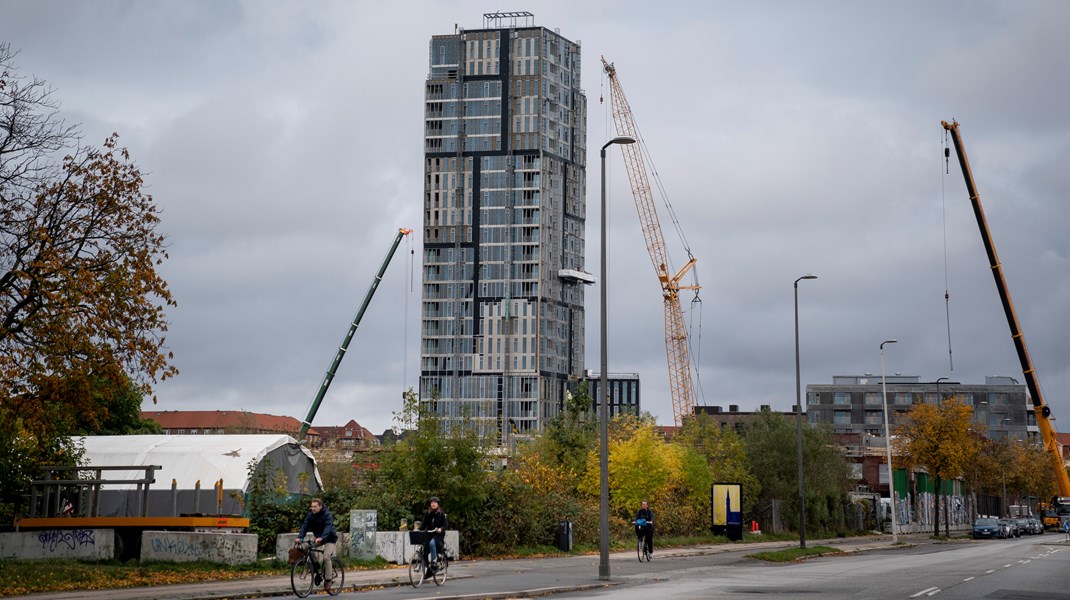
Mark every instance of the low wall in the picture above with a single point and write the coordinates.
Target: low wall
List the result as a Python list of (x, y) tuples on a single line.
[(190, 546), (394, 546), (80, 544), (285, 541)]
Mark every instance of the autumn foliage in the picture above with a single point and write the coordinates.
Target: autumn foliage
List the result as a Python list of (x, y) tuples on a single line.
[(82, 307)]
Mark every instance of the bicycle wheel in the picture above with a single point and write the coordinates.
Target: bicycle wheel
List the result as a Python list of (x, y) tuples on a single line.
[(440, 568), (339, 580), (639, 547), (646, 553), (302, 577), (416, 571)]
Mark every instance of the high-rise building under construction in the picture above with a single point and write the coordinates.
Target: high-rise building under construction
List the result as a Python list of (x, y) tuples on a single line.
[(505, 145)]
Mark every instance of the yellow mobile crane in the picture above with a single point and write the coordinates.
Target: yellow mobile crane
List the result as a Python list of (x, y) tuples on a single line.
[(1043, 412), (676, 345)]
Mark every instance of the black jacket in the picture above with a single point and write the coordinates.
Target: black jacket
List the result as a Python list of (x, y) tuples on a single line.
[(645, 513), (321, 525), (434, 519)]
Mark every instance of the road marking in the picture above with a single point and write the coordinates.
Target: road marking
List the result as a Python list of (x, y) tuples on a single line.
[(1027, 561), (1007, 566), (926, 592), (990, 571), (968, 578)]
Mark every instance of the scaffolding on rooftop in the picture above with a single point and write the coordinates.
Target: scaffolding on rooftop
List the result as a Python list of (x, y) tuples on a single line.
[(510, 19)]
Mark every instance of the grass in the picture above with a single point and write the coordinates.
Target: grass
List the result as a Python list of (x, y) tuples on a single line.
[(30, 577), (794, 554)]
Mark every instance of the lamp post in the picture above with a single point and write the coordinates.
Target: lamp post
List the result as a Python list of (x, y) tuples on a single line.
[(798, 417), (888, 444), (939, 398), (1003, 466), (603, 407)]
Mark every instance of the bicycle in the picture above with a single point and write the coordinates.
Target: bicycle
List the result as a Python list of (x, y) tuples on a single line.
[(419, 567), (307, 573), (640, 539)]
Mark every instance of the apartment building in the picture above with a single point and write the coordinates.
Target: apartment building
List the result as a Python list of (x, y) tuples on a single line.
[(853, 404), (503, 226)]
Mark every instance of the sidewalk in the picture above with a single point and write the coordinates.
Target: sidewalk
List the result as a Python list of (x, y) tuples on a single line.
[(389, 577)]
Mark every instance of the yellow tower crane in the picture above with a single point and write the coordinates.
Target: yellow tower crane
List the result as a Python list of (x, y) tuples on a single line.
[(676, 344)]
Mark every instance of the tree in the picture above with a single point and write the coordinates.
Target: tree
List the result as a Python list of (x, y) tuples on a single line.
[(82, 308), (725, 453), (771, 448), (940, 439), (430, 460)]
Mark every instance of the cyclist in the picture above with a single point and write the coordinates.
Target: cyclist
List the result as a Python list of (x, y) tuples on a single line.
[(434, 522), (644, 525), (320, 522)]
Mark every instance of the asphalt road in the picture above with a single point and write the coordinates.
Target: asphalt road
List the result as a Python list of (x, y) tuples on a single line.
[(1029, 568)]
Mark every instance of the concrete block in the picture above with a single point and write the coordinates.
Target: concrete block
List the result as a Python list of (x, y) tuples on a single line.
[(285, 541), (394, 546), (190, 546), (80, 544)]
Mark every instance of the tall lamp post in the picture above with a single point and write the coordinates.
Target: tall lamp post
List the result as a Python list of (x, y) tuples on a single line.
[(939, 398), (603, 405), (888, 444), (798, 417)]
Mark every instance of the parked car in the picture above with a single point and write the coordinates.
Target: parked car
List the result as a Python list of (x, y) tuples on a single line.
[(1036, 527), (985, 528), (1010, 528), (1023, 526)]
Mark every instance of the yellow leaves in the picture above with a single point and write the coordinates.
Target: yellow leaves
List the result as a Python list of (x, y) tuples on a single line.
[(939, 438)]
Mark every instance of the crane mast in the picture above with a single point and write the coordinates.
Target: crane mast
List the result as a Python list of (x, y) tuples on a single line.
[(1043, 412), (676, 344)]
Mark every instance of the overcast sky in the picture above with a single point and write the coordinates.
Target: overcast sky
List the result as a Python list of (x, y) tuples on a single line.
[(283, 142)]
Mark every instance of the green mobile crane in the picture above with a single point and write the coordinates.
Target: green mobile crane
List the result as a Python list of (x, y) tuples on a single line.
[(329, 377)]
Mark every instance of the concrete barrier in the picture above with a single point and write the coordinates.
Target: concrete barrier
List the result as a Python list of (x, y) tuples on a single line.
[(285, 541), (80, 544), (394, 546), (190, 546)]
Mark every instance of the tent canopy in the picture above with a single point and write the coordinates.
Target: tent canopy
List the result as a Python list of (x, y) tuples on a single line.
[(187, 459)]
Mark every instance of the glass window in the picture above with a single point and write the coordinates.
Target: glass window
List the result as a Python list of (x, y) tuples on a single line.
[(902, 398), (873, 398), (842, 398), (841, 417)]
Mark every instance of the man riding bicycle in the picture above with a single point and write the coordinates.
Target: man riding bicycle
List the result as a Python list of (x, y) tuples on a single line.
[(321, 523), (434, 522), (644, 526)]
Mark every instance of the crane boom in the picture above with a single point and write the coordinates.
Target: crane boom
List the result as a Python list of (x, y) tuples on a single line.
[(1043, 412), (329, 377), (677, 352)]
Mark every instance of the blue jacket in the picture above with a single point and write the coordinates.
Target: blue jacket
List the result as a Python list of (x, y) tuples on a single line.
[(321, 525)]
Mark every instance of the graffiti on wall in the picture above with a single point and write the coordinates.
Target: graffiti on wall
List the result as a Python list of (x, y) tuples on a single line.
[(66, 538), (176, 547)]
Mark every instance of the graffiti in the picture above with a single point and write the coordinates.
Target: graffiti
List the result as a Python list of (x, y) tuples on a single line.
[(176, 547), (69, 538)]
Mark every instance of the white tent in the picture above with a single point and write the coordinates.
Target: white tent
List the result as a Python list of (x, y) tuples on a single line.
[(187, 459)]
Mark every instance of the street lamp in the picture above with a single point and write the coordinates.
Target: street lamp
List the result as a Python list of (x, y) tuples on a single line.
[(603, 408), (888, 443), (939, 398), (798, 417), (1003, 466)]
